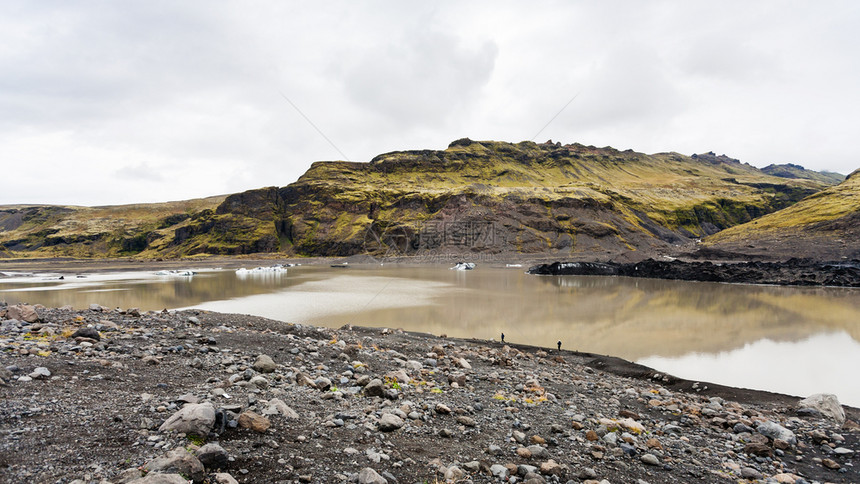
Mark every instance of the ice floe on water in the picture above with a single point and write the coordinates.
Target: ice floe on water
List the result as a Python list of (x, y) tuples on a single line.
[(464, 266), (176, 273), (266, 271)]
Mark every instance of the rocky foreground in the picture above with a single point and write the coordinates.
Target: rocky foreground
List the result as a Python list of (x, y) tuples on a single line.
[(112, 396), (795, 272)]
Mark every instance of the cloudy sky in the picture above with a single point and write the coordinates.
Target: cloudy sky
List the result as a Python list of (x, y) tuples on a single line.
[(122, 102)]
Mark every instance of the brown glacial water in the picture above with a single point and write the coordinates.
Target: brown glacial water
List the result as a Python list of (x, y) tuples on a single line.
[(791, 340)]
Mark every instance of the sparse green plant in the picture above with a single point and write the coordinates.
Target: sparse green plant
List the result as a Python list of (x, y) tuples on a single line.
[(392, 382), (196, 439)]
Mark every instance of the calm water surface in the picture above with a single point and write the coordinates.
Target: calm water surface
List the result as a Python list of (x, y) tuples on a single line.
[(790, 340)]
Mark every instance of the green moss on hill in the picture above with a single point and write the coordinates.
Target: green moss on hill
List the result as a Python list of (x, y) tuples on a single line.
[(474, 196)]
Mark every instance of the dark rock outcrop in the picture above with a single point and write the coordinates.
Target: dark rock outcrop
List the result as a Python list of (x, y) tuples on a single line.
[(801, 272)]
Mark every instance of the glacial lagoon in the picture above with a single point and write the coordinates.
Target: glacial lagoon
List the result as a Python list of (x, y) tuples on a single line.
[(792, 340)]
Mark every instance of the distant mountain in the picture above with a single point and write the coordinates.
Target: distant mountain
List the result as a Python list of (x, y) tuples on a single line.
[(474, 197), (789, 170), (825, 225), (108, 231)]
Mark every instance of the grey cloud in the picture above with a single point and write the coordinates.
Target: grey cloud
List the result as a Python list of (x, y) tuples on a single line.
[(190, 89), (139, 172), (423, 78)]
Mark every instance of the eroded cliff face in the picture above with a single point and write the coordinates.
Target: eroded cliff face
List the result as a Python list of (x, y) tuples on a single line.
[(493, 197), (473, 197)]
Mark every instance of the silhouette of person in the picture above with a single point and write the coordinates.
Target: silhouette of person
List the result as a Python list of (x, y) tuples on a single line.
[(559, 345), (503, 337)]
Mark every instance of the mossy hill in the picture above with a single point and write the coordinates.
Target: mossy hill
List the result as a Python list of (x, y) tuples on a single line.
[(790, 170), (487, 197), (825, 225)]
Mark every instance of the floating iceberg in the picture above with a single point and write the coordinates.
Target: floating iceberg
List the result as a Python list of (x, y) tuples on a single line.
[(175, 273), (464, 266), (263, 271)]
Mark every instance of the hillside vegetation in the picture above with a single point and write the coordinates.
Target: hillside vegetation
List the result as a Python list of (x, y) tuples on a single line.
[(790, 170), (72, 231), (823, 225), (473, 197)]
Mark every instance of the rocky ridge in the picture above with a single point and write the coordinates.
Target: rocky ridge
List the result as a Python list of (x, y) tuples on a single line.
[(483, 197), (116, 396), (791, 170)]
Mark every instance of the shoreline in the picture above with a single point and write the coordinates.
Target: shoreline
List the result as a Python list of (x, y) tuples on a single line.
[(101, 266), (790, 272), (464, 408)]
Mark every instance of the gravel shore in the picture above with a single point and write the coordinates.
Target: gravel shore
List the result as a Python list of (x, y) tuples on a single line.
[(118, 396)]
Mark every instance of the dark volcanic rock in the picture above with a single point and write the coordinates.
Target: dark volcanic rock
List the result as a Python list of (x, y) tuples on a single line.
[(800, 272), (87, 333)]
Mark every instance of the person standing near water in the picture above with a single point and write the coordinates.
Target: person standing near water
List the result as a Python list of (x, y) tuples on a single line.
[(559, 345), (503, 337)]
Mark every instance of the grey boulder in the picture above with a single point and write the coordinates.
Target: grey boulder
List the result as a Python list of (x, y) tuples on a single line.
[(265, 364), (195, 418), (775, 431), (178, 461), (826, 404), (370, 476), (213, 456), (157, 478)]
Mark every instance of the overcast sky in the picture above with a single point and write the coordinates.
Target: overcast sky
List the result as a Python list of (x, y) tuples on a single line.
[(105, 102)]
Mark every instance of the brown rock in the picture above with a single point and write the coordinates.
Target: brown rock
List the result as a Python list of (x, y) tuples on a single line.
[(629, 414), (551, 468), (253, 421), (22, 312), (304, 380), (537, 439), (524, 453), (784, 478), (830, 464), (442, 409), (780, 444), (576, 425), (653, 443), (591, 435), (467, 421), (758, 439), (760, 450), (818, 436)]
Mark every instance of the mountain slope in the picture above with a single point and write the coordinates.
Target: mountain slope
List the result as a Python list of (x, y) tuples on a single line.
[(51, 230), (790, 170), (474, 197), (495, 197), (823, 225)]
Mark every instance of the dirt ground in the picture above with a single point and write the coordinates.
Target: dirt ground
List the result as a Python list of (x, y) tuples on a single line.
[(411, 407)]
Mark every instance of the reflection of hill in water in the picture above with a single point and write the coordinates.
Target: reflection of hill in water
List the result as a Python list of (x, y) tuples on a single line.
[(632, 318), (152, 293), (627, 317)]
